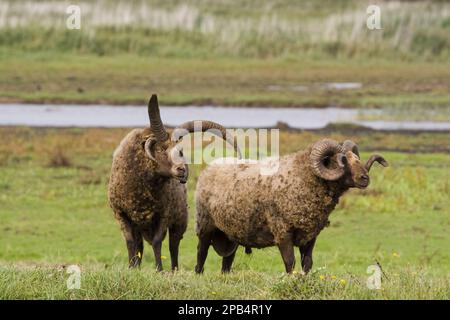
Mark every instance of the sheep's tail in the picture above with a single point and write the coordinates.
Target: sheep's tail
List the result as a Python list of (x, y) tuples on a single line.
[(248, 250)]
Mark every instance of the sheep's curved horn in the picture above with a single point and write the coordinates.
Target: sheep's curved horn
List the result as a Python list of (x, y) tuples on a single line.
[(206, 125), (155, 120), (377, 158), (322, 149), (349, 145)]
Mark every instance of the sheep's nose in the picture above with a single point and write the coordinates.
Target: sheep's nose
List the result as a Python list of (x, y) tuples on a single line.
[(181, 170)]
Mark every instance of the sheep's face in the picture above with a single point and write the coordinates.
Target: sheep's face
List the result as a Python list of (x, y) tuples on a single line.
[(333, 161), (169, 159), (356, 175)]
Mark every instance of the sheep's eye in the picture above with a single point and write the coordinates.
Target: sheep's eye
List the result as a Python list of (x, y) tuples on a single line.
[(181, 153)]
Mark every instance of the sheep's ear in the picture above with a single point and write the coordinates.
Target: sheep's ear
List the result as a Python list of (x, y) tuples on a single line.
[(149, 148)]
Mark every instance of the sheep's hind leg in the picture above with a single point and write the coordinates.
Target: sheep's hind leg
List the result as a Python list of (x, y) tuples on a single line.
[(204, 241), (133, 238), (306, 255), (227, 262), (286, 248)]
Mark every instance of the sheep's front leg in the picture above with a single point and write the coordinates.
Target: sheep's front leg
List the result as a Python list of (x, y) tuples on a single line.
[(175, 236), (157, 240), (156, 245), (286, 247), (133, 238), (306, 255)]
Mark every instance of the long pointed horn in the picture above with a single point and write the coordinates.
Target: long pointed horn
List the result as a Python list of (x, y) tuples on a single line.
[(377, 158), (321, 150), (155, 120), (206, 125)]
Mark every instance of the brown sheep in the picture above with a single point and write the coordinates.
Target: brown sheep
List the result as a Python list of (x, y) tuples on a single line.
[(236, 205), (147, 186)]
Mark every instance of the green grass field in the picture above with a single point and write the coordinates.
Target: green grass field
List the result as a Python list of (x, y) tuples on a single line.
[(53, 216), (124, 79)]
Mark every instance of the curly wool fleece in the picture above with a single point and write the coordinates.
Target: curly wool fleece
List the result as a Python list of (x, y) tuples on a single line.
[(136, 191), (259, 211)]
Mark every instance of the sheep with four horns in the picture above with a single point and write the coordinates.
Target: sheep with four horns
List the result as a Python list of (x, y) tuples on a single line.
[(236, 205), (147, 186)]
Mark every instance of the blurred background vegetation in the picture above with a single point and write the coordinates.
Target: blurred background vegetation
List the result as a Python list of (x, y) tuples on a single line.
[(226, 52), (249, 28)]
